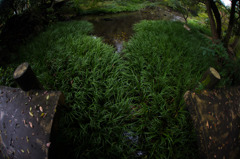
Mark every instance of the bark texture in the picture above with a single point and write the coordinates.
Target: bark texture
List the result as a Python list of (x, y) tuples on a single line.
[(216, 117)]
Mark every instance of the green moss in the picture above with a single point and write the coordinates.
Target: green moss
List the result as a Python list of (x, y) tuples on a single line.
[(206, 81)]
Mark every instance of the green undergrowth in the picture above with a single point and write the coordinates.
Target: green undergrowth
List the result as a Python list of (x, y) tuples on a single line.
[(111, 6), (200, 26), (164, 61), (122, 105), (88, 72)]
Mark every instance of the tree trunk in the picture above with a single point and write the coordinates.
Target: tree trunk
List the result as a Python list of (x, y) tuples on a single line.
[(217, 18), (235, 43), (25, 78), (185, 16), (211, 19), (230, 24)]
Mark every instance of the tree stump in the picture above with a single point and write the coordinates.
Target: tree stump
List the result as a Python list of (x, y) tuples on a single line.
[(25, 78), (210, 78)]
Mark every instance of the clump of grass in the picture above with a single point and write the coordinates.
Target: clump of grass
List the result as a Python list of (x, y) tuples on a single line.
[(199, 26), (88, 72), (164, 60), (6, 76)]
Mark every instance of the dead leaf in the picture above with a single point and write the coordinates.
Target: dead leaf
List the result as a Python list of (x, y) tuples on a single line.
[(31, 125), (31, 114), (47, 97), (48, 144), (42, 114), (207, 125), (41, 109)]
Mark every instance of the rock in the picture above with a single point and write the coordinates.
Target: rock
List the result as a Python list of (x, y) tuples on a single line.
[(108, 19)]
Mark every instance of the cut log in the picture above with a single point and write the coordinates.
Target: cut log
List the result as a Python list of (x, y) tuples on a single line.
[(215, 115), (25, 78), (27, 122), (186, 27), (210, 78)]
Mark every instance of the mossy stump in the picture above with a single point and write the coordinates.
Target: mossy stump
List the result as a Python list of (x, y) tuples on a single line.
[(210, 78)]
